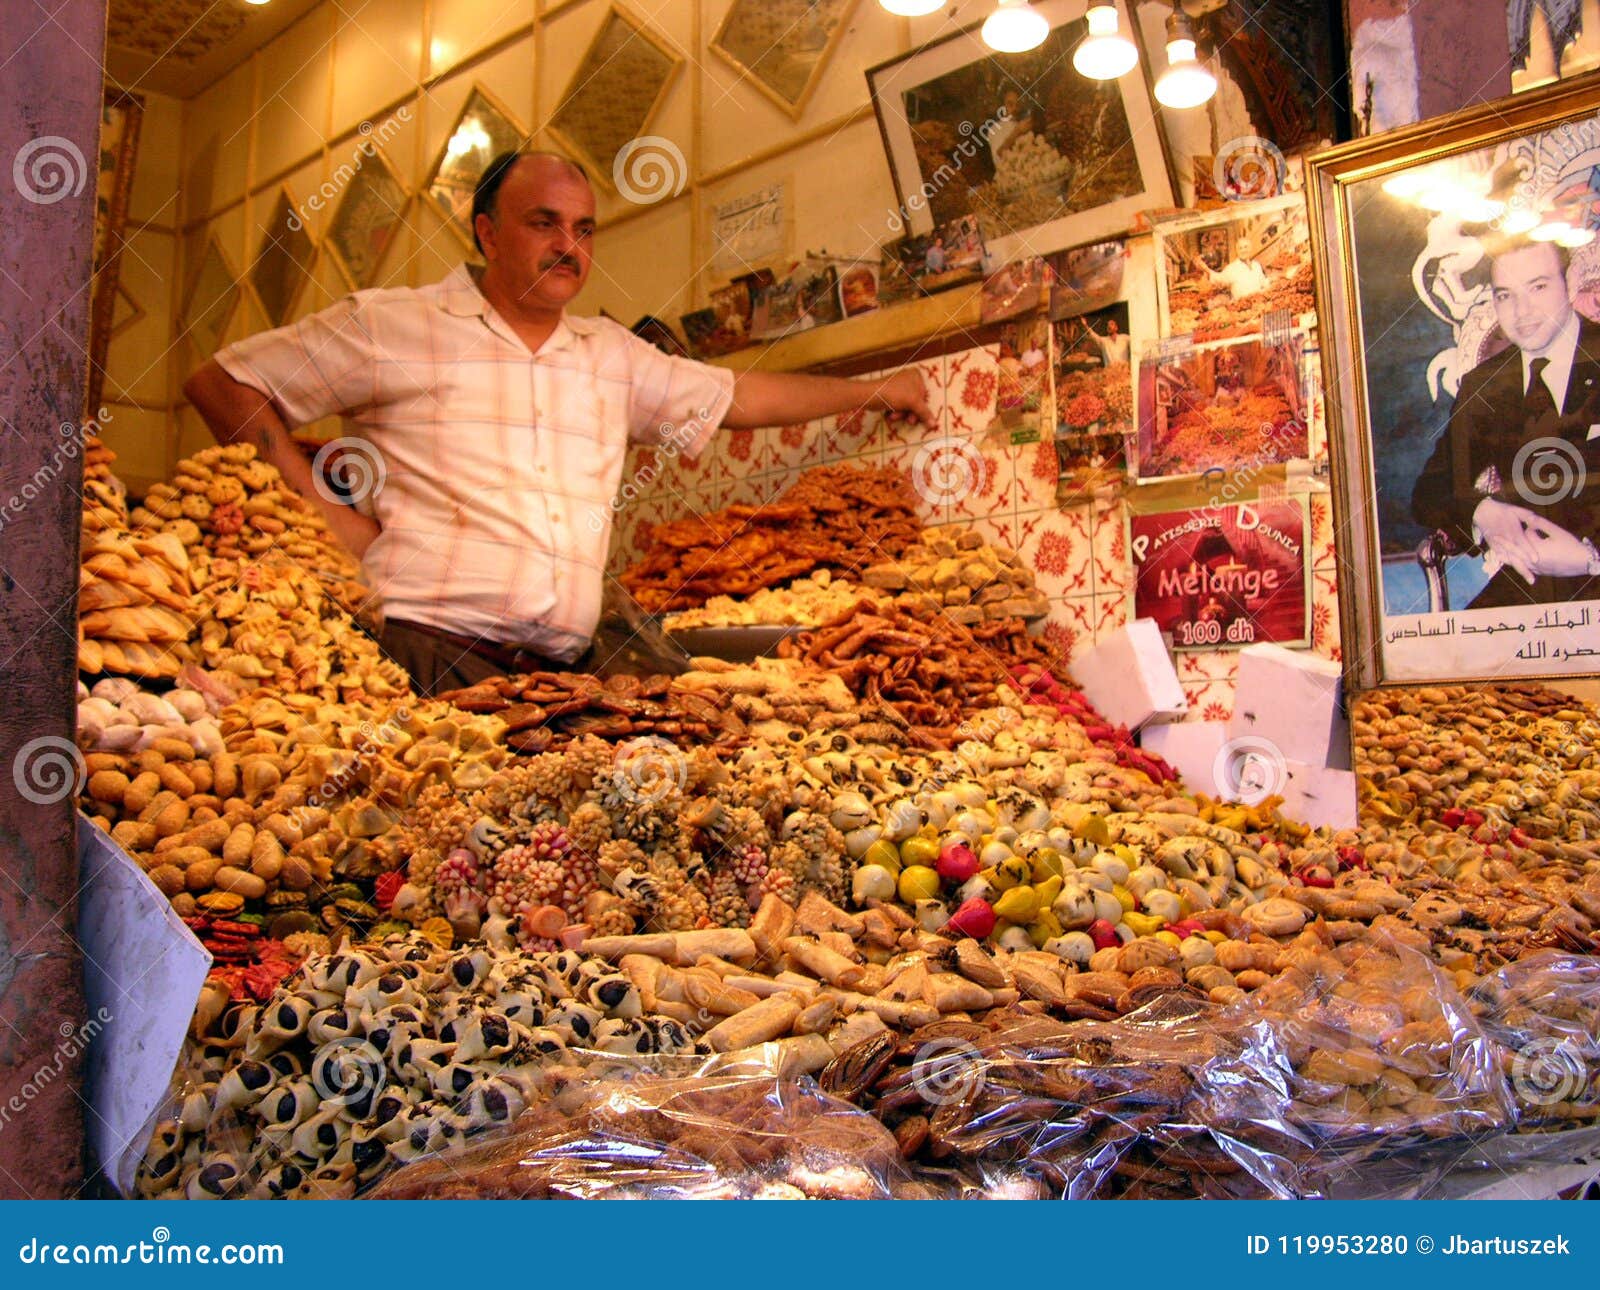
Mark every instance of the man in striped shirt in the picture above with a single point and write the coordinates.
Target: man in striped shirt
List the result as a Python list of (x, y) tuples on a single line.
[(495, 425)]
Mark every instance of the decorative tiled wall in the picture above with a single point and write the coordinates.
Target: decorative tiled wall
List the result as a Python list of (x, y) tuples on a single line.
[(1078, 554)]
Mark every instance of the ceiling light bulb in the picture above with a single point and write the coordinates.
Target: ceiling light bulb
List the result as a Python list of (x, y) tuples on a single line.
[(1550, 230), (912, 8), (1105, 53), (1575, 237), (256, 2), (1185, 84), (1014, 27)]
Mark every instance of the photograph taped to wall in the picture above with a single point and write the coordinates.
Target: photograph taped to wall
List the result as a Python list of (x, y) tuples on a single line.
[(1042, 155), (1094, 403), (1466, 415), (1223, 273), (782, 46), (1223, 577), (1087, 277), (369, 214), (1015, 289), (613, 96), (483, 130), (212, 297), (1234, 406), (282, 265), (1022, 388)]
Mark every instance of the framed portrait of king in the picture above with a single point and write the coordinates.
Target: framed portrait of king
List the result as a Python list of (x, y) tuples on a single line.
[(1458, 283)]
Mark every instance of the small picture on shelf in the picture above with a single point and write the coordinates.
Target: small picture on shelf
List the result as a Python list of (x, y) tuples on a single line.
[(1094, 403), (947, 257), (1221, 274), (725, 326), (1087, 278), (1231, 406), (858, 287), (1015, 289)]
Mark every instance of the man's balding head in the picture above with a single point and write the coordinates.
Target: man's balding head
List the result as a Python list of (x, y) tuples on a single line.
[(486, 196)]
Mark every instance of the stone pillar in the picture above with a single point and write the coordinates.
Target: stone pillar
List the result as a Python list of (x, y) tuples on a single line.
[(49, 138)]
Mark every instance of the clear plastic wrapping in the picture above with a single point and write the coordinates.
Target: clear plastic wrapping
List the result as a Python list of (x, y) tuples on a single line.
[(1544, 1014), (708, 1137)]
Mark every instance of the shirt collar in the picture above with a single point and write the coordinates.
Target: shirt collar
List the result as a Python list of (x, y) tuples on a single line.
[(460, 296), (1560, 352)]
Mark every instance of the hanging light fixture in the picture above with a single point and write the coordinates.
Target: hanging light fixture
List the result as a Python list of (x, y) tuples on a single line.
[(1573, 238), (1014, 27), (1105, 53), (912, 8), (1185, 83)]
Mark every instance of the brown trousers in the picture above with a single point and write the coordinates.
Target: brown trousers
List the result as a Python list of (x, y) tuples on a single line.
[(438, 662)]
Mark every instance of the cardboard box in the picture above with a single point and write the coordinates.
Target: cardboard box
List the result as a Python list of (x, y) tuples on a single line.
[(1318, 795), (1190, 747), (1129, 676), (1291, 698)]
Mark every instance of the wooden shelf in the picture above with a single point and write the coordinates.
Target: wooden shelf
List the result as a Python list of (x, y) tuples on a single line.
[(891, 330)]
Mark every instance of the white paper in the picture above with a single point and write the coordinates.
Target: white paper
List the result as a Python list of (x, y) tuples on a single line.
[(142, 972)]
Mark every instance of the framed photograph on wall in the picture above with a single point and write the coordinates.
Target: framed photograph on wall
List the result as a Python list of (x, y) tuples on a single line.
[(782, 46), (484, 129), (369, 214), (1044, 157), (1457, 274), (614, 95), (213, 295), (282, 266)]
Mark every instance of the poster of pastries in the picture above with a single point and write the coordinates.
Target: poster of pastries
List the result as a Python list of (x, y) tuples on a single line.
[(1223, 273), (1223, 577), (1094, 403), (1087, 277), (1235, 406), (1022, 395)]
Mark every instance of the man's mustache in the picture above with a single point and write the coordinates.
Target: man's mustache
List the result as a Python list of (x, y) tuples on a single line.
[(564, 261)]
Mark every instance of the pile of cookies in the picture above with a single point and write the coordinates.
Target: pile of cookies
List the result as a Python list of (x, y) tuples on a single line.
[(952, 571), (231, 509), (135, 599)]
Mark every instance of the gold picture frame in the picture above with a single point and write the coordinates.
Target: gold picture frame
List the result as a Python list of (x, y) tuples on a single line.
[(1413, 236), (604, 106), (358, 237), (483, 129), (283, 261), (213, 296), (786, 69)]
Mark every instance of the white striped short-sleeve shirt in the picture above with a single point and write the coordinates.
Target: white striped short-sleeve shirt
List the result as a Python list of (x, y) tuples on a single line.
[(500, 466)]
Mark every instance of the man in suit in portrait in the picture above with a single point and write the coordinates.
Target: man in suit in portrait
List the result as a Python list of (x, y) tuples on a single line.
[(1517, 467)]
